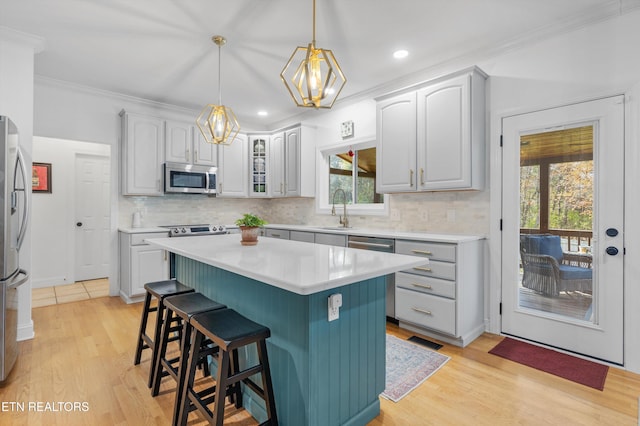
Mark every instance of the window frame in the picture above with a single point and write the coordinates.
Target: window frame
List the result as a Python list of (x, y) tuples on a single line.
[(322, 182)]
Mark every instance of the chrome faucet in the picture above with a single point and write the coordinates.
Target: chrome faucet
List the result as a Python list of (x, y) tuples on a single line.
[(344, 221)]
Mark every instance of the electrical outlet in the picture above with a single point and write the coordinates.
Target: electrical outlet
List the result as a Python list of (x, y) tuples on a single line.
[(334, 303), (424, 216), (395, 215)]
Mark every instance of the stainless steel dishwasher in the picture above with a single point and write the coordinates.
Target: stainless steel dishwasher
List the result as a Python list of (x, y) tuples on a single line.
[(385, 245)]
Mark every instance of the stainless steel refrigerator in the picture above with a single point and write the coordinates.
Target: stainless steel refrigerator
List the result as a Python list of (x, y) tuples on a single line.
[(14, 216)]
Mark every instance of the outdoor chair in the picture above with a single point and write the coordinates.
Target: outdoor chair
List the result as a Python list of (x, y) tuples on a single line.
[(546, 270)]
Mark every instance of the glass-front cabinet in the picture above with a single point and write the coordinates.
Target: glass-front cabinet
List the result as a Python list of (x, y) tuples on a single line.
[(258, 166)]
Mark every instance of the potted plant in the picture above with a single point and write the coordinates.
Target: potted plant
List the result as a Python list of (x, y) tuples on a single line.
[(249, 226)]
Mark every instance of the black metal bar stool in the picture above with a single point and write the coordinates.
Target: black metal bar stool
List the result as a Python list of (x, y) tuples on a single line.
[(229, 331), (181, 307), (160, 290)]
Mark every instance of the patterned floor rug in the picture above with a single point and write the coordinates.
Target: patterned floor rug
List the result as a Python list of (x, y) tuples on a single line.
[(408, 365)]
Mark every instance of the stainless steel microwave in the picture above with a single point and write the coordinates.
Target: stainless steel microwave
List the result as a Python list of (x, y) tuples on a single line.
[(189, 179)]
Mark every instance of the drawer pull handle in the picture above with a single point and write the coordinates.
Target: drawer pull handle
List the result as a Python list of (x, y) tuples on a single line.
[(420, 268), (428, 287), (276, 235), (425, 252), (421, 310)]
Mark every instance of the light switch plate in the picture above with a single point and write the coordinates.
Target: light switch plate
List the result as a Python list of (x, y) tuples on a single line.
[(346, 129)]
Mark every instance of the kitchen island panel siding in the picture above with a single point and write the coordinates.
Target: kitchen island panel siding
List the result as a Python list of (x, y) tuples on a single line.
[(324, 373)]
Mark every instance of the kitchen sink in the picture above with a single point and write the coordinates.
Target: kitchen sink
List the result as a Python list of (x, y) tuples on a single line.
[(336, 228)]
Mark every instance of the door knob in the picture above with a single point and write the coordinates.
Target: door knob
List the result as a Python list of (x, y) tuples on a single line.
[(612, 232), (79, 224), (612, 251)]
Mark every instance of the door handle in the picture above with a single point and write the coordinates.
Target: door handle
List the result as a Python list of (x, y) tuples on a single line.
[(78, 224), (611, 251)]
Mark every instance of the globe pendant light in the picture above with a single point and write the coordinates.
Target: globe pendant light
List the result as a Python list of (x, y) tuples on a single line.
[(217, 123), (316, 80)]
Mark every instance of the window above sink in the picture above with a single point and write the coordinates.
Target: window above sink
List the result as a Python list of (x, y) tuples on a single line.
[(351, 167)]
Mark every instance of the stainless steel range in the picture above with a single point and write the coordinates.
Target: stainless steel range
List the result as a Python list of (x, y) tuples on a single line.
[(192, 231), (195, 230)]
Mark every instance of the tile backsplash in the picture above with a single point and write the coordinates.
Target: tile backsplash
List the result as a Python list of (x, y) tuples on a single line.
[(457, 212)]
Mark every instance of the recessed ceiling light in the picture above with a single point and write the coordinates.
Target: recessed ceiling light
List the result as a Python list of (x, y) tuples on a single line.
[(263, 113), (399, 54)]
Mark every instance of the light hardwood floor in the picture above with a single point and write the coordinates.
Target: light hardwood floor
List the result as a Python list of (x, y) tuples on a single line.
[(83, 352)]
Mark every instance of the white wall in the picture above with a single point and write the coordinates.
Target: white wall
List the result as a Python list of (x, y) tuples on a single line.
[(52, 215), (16, 101)]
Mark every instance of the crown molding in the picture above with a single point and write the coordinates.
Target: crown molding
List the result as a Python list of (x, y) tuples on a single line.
[(25, 39)]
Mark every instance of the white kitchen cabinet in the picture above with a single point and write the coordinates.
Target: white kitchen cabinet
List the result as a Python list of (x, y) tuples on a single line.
[(205, 153), (304, 236), (282, 234), (443, 298), (259, 170), (142, 154), (185, 144), (396, 151), (331, 239), (233, 168), (140, 263), (292, 162), (431, 138)]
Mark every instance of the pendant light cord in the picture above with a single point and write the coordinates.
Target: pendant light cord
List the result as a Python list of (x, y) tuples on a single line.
[(314, 24), (219, 76)]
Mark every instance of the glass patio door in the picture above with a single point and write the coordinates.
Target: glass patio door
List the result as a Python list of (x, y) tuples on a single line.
[(562, 239)]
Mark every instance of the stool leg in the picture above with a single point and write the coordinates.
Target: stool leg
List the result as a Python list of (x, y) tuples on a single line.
[(235, 394), (156, 343), (266, 383), (163, 339), (221, 388), (143, 328), (185, 349), (189, 375)]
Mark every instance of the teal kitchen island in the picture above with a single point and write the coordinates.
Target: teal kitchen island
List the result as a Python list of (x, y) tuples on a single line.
[(324, 372)]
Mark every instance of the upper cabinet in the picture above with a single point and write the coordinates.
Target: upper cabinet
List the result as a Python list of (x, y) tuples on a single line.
[(432, 137), (185, 144), (232, 168), (292, 162), (142, 154), (259, 148), (278, 164)]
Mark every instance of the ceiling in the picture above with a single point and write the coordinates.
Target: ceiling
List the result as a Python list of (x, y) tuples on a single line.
[(161, 50)]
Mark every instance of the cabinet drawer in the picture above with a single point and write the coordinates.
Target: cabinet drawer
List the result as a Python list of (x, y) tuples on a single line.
[(425, 310), (277, 233), (331, 239), (432, 251), (138, 239), (307, 237), (427, 285), (436, 269)]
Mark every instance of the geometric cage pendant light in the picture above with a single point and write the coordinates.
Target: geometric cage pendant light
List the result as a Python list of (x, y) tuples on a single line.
[(313, 76), (217, 123)]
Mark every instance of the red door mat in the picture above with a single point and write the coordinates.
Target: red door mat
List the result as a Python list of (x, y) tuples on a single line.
[(578, 370)]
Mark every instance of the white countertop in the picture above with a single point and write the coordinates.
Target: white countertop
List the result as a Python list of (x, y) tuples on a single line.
[(299, 267), (143, 230), (382, 233)]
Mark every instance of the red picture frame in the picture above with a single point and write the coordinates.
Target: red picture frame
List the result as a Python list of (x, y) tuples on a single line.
[(41, 177)]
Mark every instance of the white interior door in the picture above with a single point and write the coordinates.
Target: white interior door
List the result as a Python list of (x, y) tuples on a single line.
[(549, 187), (92, 212)]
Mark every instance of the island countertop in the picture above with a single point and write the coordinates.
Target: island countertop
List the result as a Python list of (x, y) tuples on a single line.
[(299, 267)]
